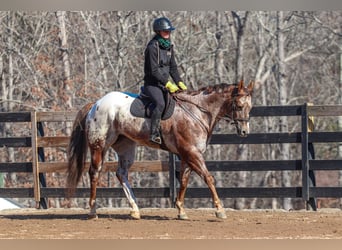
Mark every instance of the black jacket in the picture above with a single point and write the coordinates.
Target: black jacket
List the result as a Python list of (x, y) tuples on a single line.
[(159, 64)]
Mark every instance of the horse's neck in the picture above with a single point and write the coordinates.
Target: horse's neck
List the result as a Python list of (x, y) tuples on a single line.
[(208, 106)]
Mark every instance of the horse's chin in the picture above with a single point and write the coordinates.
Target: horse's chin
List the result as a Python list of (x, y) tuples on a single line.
[(242, 135)]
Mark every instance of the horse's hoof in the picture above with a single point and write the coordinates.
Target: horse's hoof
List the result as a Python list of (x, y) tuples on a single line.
[(92, 217), (221, 214), (135, 215), (183, 217)]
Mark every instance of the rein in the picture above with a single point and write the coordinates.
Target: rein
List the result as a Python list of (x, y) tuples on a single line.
[(195, 117)]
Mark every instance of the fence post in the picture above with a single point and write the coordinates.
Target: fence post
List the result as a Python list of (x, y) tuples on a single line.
[(41, 158), (172, 178), (35, 170), (305, 159)]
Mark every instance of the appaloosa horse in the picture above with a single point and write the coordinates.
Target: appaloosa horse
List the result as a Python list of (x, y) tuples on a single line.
[(109, 123)]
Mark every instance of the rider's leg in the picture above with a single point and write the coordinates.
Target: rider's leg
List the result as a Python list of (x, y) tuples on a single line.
[(155, 126), (157, 95)]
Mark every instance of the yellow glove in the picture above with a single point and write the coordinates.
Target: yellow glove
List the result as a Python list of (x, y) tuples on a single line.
[(182, 86), (171, 87)]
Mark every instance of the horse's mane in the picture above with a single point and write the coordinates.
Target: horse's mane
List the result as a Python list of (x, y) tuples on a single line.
[(222, 87)]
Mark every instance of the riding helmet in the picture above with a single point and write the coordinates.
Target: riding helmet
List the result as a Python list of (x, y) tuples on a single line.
[(162, 23)]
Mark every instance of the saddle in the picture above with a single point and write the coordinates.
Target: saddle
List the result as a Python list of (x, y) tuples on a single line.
[(142, 106)]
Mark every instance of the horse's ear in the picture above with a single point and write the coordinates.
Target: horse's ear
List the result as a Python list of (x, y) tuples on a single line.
[(250, 86), (240, 86)]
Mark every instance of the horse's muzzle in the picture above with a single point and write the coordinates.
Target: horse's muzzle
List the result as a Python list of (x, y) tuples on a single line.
[(242, 128)]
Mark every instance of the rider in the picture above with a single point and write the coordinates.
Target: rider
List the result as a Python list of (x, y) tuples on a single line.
[(159, 65)]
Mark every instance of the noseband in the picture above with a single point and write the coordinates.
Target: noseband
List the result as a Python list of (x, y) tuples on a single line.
[(234, 108), (230, 117)]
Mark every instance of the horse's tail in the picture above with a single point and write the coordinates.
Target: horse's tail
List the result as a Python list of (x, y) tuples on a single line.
[(77, 149)]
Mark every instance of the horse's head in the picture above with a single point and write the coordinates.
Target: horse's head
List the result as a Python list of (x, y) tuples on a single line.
[(241, 106)]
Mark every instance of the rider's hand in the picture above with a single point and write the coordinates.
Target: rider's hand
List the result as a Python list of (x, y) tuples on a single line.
[(182, 86), (171, 87)]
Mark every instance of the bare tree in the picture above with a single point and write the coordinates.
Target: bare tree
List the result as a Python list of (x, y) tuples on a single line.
[(282, 87), (239, 27), (219, 55), (67, 86), (8, 85)]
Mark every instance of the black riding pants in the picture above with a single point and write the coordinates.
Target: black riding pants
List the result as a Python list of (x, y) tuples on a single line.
[(157, 96)]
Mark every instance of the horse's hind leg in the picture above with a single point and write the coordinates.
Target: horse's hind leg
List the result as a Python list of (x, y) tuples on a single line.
[(125, 149), (94, 174), (122, 175)]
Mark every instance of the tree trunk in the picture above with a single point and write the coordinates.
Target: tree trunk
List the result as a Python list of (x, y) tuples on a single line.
[(7, 89), (2, 85), (281, 79), (67, 83), (65, 57), (240, 24), (340, 121), (263, 71), (219, 56), (95, 38), (64, 47)]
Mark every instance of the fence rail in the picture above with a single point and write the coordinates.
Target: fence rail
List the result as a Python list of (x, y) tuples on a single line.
[(37, 166)]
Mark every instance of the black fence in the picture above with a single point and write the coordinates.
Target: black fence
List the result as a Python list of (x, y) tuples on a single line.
[(306, 165)]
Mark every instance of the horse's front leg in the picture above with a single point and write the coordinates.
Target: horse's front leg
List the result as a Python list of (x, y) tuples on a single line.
[(197, 163), (209, 179), (184, 178), (94, 174)]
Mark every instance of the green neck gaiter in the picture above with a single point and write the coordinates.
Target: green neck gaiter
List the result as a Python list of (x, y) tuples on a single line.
[(165, 43)]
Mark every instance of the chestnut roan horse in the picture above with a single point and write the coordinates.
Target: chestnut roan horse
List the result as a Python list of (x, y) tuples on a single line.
[(109, 123)]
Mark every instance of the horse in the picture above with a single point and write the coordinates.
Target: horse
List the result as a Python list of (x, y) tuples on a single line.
[(109, 123)]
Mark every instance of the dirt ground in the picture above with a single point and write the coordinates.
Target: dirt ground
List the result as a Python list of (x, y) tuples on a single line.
[(163, 224)]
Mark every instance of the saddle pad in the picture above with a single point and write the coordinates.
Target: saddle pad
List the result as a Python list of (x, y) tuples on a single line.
[(142, 107)]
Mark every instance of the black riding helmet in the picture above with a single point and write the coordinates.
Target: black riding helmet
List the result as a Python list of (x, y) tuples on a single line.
[(162, 23)]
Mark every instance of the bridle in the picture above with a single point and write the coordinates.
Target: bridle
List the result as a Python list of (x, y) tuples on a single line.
[(230, 117)]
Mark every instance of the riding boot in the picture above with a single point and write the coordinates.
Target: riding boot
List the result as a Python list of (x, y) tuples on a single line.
[(155, 126)]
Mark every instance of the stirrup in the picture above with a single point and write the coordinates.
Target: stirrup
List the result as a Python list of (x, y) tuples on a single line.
[(155, 139)]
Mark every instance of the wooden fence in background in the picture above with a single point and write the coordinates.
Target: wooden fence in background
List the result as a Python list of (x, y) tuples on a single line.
[(36, 141)]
